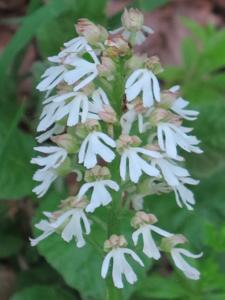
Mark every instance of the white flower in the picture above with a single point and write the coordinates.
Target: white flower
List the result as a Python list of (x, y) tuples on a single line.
[(76, 46), (46, 177), (170, 136), (179, 106), (188, 270), (55, 158), (98, 100), (56, 129), (149, 246), (83, 73), (76, 108), (183, 194), (93, 146), (137, 165), (69, 222), (52, 77), (120, 266), (100, 195), (170, 171), (145, 82), (44, 226), (128, 118)]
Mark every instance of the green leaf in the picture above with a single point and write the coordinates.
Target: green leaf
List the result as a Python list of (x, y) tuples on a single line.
[(42, 292), (15, 154), (159, 287)]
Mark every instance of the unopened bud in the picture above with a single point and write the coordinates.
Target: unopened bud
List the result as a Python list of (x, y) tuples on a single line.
[(163, 115), (126, 141), (168, 243), (117, 46), (136, 62), (93, 33), (66, 141), (107, 68), (132, 19), (153, 64), (73, 202), (141, 218), (97, 173), (115, 241), (108, 114)]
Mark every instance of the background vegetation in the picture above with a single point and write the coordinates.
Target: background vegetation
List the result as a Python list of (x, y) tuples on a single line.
[(57, 270)]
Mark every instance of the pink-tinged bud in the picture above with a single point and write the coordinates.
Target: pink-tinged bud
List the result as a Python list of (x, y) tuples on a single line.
[(153, 64), (168, 243), (132, 19), (66, 141), (97, 173), (117, 46), (141, 218), (73, 202), (115, 241), (126, 141), (108, 114), (168, 98), (93, 33), (107, 68), (163, 115)]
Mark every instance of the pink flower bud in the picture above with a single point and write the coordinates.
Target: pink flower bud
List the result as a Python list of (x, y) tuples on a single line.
[(132, 19)]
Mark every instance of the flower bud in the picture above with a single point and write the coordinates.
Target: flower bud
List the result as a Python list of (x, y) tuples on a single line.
[(108, 114), (169, 243), (93, 33), (97, 173), (153, 64), (141, 218), (115, 241), (136, 62), (66, 141), (126, 141), (73, 202), (117, 46), (132, 19), (107, 68), (167, 99), (163, 115)]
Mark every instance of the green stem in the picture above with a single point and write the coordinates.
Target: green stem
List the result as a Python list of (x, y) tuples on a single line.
[(112, 292)]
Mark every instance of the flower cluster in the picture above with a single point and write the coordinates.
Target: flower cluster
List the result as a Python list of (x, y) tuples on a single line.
[(114, 126)]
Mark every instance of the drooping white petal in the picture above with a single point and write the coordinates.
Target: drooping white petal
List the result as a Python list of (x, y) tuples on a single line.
[(181, 264)]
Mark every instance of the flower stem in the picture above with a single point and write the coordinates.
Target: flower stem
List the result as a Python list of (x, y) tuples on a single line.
[(113, 293)]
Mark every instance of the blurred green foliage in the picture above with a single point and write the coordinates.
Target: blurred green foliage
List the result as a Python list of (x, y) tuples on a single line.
[(58, 270)]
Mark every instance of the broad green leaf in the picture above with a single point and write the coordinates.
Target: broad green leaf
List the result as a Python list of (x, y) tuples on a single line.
[(15, 154), (42, 292), (159, 287)]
